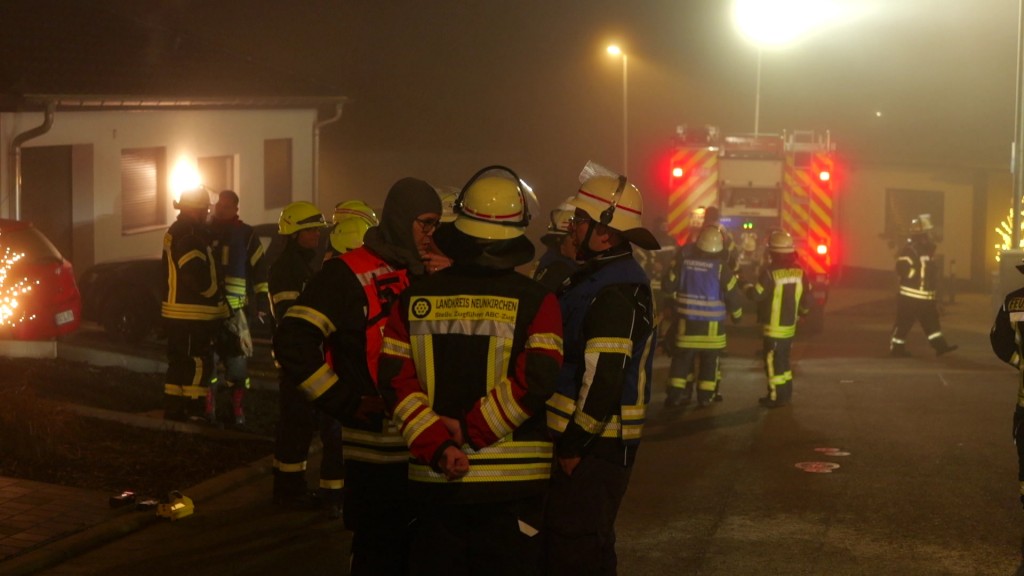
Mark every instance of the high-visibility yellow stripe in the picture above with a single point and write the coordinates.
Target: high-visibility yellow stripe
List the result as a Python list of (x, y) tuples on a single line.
[(318, 382), (314, 317), (289, 466)]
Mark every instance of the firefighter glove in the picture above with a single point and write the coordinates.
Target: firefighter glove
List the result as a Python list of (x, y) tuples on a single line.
[(239, 326)]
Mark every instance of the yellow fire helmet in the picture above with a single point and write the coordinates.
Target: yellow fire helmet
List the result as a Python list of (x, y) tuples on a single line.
[(352, 219), (299, 216), (492, 205)]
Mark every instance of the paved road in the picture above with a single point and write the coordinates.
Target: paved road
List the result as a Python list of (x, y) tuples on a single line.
[(921, 480)]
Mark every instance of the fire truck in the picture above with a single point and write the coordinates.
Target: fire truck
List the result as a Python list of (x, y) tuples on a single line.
[(759, 183)]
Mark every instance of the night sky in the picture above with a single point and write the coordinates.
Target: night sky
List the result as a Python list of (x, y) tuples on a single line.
[(441, 88)]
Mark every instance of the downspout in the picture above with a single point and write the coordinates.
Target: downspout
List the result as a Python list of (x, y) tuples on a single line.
[(16, 143), (316, 147)]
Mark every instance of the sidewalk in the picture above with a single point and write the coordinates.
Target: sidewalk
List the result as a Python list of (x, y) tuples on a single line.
[(42, 525)]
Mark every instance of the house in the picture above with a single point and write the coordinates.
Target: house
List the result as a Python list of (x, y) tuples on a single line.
[(101, 126)]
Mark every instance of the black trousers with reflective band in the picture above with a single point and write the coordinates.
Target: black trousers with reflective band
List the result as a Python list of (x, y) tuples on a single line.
[(189, 363)]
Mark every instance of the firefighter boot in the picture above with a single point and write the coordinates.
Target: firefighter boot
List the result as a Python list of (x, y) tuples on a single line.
[(678, 395), (331, 498), (238, 403), (941, 346), (210, 408), (290, 490), (898, 350)]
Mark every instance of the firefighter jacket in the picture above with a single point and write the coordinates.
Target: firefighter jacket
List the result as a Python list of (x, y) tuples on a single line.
[(783, 294), (1007, 338), (705, 293), (482, 346), (328, 342), (915, 268), (553, 268), (604, 384), (190, 289), (288, 276), (240, 261)]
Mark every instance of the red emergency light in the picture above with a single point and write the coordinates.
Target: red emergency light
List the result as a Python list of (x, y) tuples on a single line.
[(824, 176), (677, 172), (821, 249)]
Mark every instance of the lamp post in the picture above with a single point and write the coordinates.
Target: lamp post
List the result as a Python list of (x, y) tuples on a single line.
[(615, 50)]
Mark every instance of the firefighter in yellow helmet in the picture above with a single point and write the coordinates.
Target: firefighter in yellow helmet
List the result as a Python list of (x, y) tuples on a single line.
[(302, 224), (192, 306), (486, 342), (705, 293), (350, 222), (597, 413), (783, 294), (918, 280)]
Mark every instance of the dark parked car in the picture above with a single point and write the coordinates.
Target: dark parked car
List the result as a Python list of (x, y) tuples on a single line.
[(124, 297), (39, 299)]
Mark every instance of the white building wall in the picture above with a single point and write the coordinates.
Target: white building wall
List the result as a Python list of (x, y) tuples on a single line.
[(862, 213), (186, 136)]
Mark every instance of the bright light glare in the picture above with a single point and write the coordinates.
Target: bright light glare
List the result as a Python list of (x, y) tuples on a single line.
[(185, 176), (822, 249), (775, 23), (677, 172), (824, 176), (614, 50)]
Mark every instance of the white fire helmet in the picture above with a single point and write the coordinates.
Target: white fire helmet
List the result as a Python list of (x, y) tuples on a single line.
[(921, 224), (617, 204), (780, 242)]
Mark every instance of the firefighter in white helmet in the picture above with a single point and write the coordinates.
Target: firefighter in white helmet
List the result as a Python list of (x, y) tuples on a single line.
[(705, 293), (597, 413), (351, 220), (559, 260), (918, 281), (783, 294), (486, 342)]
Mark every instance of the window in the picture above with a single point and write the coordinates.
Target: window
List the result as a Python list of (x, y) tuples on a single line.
[(143, 189), (217, 172), (277, 173)]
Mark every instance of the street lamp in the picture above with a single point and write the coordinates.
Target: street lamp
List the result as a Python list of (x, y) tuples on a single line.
[(779, 23), (615, 50)]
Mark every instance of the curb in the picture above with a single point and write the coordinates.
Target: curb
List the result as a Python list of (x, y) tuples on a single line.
[(63, 549)]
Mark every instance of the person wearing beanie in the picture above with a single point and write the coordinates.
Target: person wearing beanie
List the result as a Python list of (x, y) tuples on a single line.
[(485, 341), (327, 345)]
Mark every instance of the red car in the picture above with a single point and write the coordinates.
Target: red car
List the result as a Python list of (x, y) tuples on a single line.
[(35, 276)]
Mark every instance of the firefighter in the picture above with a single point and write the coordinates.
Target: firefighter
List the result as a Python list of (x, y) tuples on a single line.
[(242, 271), (598, 411), (342, 311), (559, 260), (192, 307), (915, 268), (470, 356), (1007, 338), (783, 294), (705, 293), (302, 224), (349, 224)]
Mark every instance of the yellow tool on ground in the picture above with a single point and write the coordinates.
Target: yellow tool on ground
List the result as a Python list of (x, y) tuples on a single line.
[(177, 506)]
